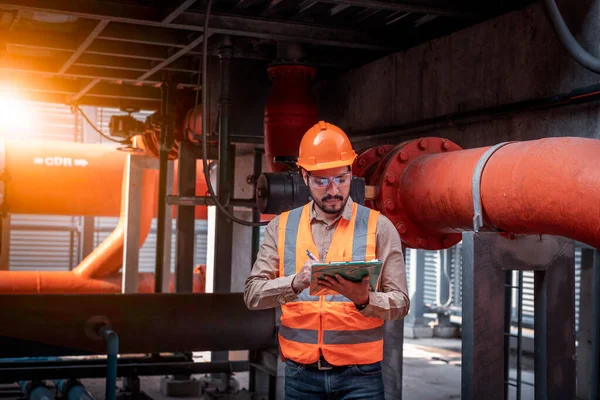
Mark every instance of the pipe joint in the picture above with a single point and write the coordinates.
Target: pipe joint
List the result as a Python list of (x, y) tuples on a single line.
[(111, 338), (384, 167)]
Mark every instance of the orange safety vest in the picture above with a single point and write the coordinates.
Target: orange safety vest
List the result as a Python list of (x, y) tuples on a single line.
[(330, 325)]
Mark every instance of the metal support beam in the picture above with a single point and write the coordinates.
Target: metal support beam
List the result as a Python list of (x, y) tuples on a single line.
[(131, 246), (186, 186), (258, 158), (224, 24), (403, 6), (83, 46), (585, 355), (145, 35), (98, 370), (482, 322), (184, 64), (554, 342), (87, 236), (30, 65), (393, 342), (208, 201), (147, 323), (486, 258), (594, 391), (267, 374), (85, 89), (166, 143), (508, 285), (177, 12), (338, 9), (224, 226), (166, 275), (195, 43)]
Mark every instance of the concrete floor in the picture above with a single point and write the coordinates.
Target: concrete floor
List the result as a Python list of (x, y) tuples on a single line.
[(431, 371)]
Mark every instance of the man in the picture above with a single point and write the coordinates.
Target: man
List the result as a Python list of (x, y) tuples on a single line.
[(332, 345)]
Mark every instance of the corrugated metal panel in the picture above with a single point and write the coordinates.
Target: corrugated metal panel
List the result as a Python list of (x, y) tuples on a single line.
[(432, 264), (408, 253), (456, 274), (577, 285), (528, 298), (54, 122), (44, 242), (528, 293)]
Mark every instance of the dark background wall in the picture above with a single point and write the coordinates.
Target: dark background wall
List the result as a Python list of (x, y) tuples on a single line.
[(511, 58)]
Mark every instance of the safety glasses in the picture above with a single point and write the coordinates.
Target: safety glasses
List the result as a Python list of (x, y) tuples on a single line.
[(321, 182)]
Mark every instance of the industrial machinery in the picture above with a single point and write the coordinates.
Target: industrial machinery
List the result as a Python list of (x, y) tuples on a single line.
[(434, 192)]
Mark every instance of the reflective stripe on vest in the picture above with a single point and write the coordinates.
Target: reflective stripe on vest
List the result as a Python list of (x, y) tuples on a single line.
[(312, 325), (300, 335), (352, 337)]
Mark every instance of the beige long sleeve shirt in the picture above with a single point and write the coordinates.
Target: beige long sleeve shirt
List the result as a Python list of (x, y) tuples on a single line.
[(266, 289)]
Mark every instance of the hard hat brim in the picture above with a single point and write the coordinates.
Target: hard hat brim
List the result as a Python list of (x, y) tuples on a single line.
[(327, 165)]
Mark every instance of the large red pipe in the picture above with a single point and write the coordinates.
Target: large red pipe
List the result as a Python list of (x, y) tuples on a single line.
[(291, 109), (547, 186)]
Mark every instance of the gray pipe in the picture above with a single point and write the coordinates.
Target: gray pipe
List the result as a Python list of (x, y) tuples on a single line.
[(72, 389), (36, 391)]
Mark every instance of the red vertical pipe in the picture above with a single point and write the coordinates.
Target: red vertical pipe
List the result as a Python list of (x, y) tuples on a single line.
[(290, 111)]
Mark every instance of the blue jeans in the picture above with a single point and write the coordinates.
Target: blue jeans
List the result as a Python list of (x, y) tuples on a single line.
[(360, 382)]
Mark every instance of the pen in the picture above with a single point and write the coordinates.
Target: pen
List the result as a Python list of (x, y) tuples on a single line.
[(311, 256)]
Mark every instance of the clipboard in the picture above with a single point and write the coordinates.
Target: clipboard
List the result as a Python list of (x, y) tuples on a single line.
[(353, 271)]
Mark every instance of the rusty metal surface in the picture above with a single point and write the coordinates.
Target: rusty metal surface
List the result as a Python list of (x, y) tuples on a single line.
[(34, 325)]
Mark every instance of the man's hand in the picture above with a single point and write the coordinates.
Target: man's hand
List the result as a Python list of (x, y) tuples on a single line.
[(302, 279), (357, 292)]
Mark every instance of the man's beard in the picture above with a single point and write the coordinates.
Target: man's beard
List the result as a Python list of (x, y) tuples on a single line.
[(330, 209)]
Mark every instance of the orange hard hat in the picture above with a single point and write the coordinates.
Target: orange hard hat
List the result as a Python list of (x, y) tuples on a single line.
[(325, 146)]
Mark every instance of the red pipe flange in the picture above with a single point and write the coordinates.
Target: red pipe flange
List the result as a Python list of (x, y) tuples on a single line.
[(383, 167), (390, 183), (366, 162)]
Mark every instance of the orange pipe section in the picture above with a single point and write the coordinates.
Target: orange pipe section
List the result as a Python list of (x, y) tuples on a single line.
[(547, 186), (63, 282), (63, 178), (107, 258)]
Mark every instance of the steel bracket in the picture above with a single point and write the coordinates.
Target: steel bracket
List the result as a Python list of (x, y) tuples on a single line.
[(476, 185)]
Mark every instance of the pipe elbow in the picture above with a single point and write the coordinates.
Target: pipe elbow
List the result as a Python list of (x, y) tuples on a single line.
[(112, 340)]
